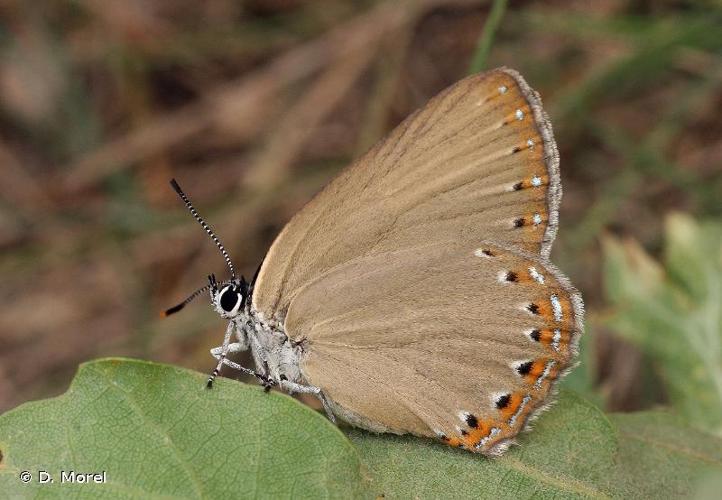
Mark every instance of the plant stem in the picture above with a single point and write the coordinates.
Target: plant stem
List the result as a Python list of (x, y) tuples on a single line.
[(483, 47)]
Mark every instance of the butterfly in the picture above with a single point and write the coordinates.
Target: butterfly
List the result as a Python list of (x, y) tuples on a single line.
[(414, 293)]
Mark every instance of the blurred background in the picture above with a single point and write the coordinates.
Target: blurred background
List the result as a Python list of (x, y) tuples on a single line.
[(253, 106)]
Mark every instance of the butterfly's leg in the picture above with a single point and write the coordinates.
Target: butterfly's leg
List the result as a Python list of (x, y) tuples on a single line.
[(232, 348), (221, 356), (221, 353), (310, 389), (232, 364), (217, 353), (267, 382)]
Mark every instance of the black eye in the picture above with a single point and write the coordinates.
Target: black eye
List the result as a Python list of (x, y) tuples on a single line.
[(229, 299)]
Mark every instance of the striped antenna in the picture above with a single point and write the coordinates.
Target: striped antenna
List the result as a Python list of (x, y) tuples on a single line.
[(205, 226), (180, 306)]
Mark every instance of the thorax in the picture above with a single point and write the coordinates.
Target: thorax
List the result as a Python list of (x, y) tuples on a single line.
[(274, 353)]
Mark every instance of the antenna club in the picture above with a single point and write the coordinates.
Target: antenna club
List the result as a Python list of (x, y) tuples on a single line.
[(174, 309), (180, 306)]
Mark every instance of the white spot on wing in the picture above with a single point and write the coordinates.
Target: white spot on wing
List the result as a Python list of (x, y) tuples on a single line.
[(537, 219), (503, 89), (547, 369), (530, 143), (536, 181), (525, 308), (538, 277), (519, 114), (492, 434), (479, 252), (556, 339), (518, 411), (556, 307)]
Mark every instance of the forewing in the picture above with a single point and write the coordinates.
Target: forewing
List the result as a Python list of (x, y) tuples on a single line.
[(477, 162), (445, 339)]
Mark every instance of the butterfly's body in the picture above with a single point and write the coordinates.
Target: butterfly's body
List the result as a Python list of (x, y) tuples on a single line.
[(276, 357), (414, 293)]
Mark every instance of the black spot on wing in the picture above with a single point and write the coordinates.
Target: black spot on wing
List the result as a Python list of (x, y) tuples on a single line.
[(503, 401), (524, 368), (472, 421)]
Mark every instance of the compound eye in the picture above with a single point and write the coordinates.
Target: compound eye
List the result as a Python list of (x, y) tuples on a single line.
[(230, 300)]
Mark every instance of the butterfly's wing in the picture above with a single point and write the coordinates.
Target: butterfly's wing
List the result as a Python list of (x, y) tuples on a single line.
[(445, 339), (478, 162)]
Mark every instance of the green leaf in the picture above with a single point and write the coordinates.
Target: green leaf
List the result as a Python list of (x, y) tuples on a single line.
[(570, 453), (574, 451), (582, 379), (660, 446), (674, 312), (157, 433)]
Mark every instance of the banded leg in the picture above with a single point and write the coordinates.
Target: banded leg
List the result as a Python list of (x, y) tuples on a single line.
[(221, 356), (310, 389), (216, 352)]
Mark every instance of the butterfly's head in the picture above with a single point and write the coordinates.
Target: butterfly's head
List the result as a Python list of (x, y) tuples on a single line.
[(229, 299)]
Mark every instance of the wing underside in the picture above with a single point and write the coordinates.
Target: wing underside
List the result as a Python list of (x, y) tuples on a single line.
[(477, 162), (409, 321), (447, 339)]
